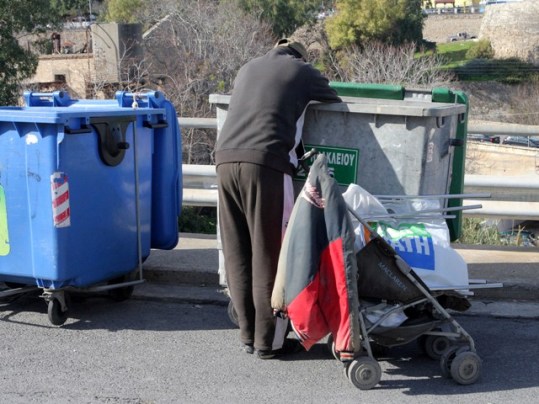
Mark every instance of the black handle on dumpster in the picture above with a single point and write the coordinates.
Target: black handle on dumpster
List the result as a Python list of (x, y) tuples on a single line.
[(157, 125), (82, 129), (456, 142), (112, 138)]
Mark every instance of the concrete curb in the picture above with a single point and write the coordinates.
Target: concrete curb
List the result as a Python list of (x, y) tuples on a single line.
[(188, 274), (211, 295)]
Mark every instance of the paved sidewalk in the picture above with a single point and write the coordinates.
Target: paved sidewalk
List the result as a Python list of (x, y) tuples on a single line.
[(189, 273)]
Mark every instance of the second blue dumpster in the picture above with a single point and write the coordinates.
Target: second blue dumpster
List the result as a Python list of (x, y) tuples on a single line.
[(87, 188)]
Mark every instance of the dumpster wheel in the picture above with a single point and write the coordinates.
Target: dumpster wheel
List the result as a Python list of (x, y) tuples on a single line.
[(57, 314), (121, 293)]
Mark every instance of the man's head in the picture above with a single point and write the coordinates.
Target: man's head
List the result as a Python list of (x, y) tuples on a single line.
[(295, 46)]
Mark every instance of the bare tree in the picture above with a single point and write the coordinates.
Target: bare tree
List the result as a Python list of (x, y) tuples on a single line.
[(196, 49), (379, 63), (133, 74)]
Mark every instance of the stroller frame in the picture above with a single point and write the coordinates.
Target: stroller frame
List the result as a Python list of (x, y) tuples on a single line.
[(452, 346)]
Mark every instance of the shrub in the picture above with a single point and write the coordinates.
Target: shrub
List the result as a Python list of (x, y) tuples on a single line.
[(201, 220), (476, 231), (481, 49)]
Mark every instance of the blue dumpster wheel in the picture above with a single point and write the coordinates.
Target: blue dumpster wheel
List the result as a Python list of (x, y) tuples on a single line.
[(466, 367), (232, 315), (121, 293), (55, 313), (364, 372)]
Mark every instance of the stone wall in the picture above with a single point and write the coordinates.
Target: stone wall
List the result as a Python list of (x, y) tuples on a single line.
[(67, 72), (513, 30)]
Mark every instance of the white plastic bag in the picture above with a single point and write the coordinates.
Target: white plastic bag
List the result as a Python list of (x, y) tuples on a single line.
[(422, 241), (395, 319)]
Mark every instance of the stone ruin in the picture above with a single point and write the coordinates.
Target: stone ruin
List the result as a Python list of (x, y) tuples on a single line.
[(513, 30)]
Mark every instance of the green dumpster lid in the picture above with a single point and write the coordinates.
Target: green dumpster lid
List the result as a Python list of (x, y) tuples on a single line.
[(368, 90), (407, 107)]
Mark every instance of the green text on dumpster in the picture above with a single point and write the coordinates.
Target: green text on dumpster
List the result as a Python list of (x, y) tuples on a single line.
[(342, 163)]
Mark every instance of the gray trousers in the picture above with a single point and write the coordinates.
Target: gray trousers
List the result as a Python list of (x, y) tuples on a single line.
[(251, 201)]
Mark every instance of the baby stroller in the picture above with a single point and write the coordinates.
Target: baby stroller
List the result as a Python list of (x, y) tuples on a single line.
[(326, 289), (385, 279)]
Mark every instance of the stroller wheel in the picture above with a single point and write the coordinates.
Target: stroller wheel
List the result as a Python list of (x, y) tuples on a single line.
[(447, 359), (331, 346), (466, 368), (364, 372), (435, 346)]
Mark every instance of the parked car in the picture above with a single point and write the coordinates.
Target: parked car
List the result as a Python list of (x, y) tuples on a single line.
[(524, 141), (461, 36), (477, 137)]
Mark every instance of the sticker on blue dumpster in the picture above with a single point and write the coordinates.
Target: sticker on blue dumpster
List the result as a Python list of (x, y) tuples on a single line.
[(4, 234), (412, 242), (61, 211)]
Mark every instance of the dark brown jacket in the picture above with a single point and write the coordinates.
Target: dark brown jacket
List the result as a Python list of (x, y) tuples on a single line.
[(269, 97)]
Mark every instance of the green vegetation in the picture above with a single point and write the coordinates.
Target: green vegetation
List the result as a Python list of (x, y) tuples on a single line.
[(480, 50), (123, 11), (391, 22), (508, 71), (475, 231), (70, 7), (472, 61), (200, 220), (16, 63), (284, 16), (454, 53)]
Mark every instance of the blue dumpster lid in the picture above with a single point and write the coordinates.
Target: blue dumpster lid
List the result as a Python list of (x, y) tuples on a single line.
[(59, 108)]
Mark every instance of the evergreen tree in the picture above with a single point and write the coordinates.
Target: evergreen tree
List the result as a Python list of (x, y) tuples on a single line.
[(391, 22), (71, 7), (285, 16), (19, 18), (123, 11)]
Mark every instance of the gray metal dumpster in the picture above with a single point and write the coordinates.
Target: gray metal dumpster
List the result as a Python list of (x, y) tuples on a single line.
[(388, 146)]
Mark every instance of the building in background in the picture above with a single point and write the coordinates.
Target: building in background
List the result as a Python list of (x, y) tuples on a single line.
[(91, 61)]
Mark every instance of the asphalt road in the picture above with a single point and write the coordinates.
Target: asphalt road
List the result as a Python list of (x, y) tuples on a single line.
[(164, 352)]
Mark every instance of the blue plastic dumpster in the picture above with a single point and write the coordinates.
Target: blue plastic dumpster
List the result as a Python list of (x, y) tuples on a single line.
[(87, 188)]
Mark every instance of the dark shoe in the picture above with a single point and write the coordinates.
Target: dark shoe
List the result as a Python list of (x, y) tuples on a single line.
[(248, 348), (290, 346), (265, 354)]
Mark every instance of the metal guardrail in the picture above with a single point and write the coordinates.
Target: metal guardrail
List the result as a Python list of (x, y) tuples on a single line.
[(514, 198), (511, 198), (502, 128)]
